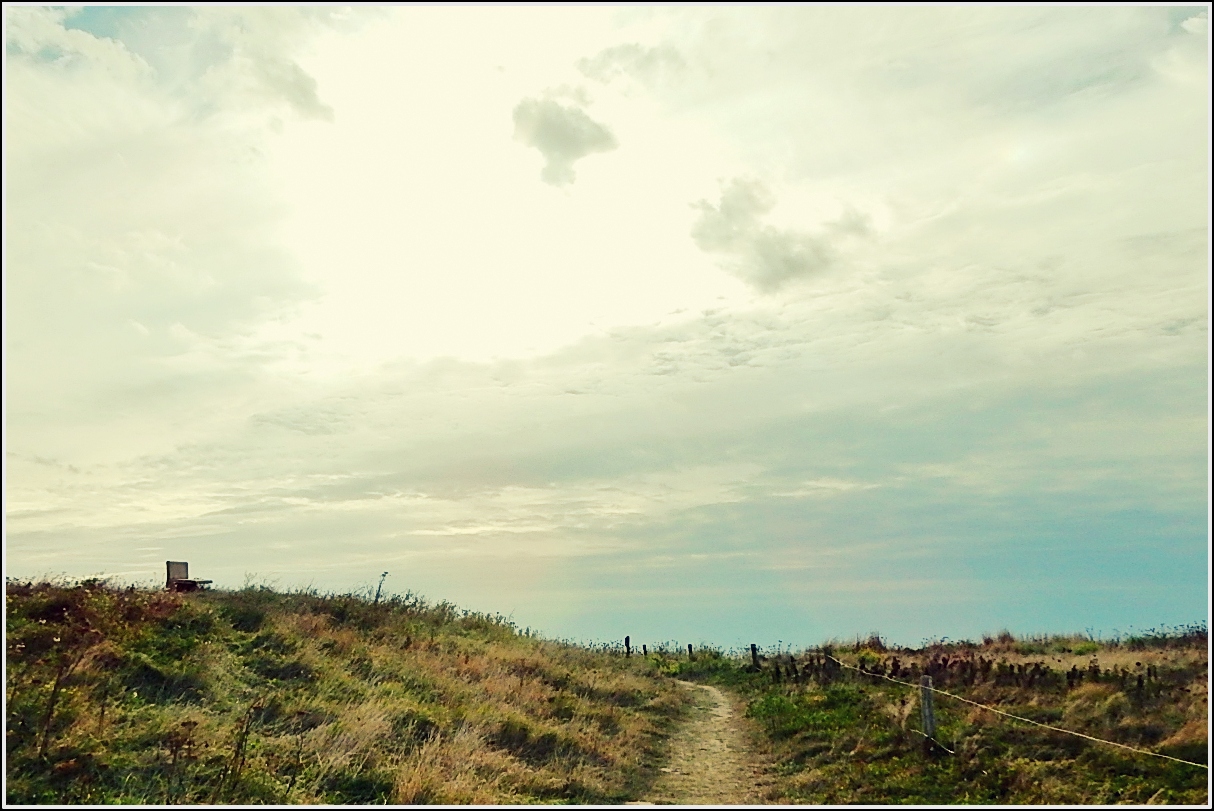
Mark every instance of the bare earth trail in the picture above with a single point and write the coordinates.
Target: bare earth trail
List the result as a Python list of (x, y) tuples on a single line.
[(711, 760)]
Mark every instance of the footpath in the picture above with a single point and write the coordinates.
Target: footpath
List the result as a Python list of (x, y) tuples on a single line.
[(711, 760)]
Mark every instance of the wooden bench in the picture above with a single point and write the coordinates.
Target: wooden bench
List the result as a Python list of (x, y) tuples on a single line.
[(179, 577)]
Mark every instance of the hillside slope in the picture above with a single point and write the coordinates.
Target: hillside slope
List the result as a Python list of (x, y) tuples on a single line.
[(842, 736), (259, 697)]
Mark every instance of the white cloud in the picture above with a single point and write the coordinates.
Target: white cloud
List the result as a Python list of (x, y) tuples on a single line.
[(1198, 24), (649, 64), (275, 278)]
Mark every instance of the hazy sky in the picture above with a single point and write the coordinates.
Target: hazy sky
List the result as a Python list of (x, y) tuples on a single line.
[(706, 324)]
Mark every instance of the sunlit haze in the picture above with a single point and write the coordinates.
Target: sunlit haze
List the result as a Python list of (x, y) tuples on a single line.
[(711, 324)]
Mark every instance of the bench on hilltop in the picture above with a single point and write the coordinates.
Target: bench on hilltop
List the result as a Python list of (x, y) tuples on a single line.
[(179, 577)]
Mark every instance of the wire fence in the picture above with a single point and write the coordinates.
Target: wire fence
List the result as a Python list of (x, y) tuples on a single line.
[(1020, 718)]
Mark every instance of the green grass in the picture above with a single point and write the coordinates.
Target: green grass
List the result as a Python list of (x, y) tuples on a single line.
[(255, 696), (842, 737)]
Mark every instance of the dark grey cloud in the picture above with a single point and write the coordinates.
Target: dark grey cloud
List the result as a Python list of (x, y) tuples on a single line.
[(563, 135), (767, 258)]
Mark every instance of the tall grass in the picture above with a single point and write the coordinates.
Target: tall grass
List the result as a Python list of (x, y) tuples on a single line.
[(843, 737), (258, 696)]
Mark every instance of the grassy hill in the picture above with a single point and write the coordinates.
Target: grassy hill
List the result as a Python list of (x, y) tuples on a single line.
[(840, 736), (132, 696), (253, 696)]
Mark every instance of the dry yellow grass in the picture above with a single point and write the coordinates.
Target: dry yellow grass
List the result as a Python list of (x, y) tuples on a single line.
[(261, 697)]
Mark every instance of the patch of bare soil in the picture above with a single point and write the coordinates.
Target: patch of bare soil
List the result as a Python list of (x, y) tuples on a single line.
[(712, 762)]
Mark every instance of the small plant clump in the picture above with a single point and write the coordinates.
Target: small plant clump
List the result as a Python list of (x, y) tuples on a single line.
[(842, 722), (131, 696)]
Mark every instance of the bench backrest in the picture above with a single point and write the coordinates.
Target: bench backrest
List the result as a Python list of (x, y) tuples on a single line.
[(177, 570)]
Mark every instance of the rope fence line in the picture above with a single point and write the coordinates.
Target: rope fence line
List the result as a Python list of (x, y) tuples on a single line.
[(1019, 718), (933, 740)]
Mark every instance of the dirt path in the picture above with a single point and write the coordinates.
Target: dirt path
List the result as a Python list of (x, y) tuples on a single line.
[(711, 761)]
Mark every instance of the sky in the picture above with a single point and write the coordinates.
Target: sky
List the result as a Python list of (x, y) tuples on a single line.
[(707, 324)]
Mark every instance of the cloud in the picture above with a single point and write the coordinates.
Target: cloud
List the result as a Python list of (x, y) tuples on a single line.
[(648, 64), (257, 54), (1017, 349), (282, 78), (38, 36), (767, 258), (1197, 24), (210, 60), (563, 135), (140, 249)]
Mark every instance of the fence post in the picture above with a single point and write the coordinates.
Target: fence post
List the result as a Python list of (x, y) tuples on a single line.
[(754, 656), (627, 648), (645, 650), (690, 656), (927, 711)]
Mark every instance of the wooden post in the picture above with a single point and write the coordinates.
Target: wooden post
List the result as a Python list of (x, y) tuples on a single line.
[(927, 711), (690, 656), (627, 648), (754, 656), (645, 651)]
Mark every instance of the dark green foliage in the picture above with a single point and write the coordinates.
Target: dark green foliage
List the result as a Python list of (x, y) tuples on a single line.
[(244, 617), (161, 680), (1193, 635), (834, 710), (363, 788), (414, 727), (527, 745)]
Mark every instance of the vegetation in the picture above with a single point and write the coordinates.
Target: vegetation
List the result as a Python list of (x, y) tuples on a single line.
[(252, 696), (843, 736)]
